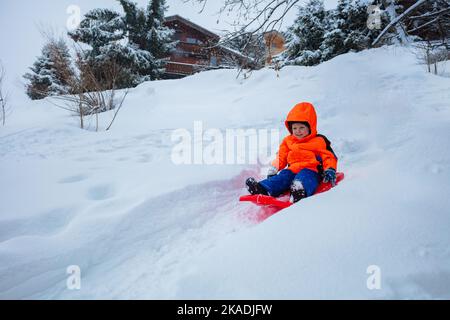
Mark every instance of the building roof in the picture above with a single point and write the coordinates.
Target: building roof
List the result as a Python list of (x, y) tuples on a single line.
[(192, 25)]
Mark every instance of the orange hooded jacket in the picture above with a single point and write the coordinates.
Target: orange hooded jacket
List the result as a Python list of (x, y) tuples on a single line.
[(300, 154)]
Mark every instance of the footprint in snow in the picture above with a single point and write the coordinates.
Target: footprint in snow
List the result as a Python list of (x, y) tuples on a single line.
[(43, 224), (73, 179), (84, 159), (145, 158), (100, 192)]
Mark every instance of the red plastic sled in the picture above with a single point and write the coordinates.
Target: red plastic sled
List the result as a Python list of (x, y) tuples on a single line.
[(283, 201)]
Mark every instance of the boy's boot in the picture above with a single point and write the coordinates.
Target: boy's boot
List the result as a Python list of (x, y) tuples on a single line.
[(254, 187), (297, 192)]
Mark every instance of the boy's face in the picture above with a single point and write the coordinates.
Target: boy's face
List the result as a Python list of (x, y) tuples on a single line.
[(299, 130)]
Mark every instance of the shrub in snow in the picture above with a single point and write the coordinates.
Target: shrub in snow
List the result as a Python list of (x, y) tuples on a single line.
[(52, 72)]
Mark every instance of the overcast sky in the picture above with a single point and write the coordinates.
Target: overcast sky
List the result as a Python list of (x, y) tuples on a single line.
[(21, 41)]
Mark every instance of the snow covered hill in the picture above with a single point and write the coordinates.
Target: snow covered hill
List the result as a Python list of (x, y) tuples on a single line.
[(138, 225)]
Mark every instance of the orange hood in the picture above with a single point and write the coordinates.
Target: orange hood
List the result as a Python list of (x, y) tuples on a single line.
[(303, 112)]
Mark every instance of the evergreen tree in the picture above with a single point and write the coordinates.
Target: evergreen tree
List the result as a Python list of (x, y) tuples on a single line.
[(159, 37), (135, 24), (336, 32), (51, 72), (347, 29), (99, 28), (136, 41), (146, 31), (145, 28), (305, 37), (318, 35), (105, 32)]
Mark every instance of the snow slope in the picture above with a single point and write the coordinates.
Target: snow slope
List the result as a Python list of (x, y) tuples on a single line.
[(140, 226)]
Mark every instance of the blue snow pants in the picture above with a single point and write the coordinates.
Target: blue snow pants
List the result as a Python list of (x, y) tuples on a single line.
[(281, 183)]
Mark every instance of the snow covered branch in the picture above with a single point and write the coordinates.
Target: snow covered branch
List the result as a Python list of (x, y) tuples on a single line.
[(426, 19), (398, 19)]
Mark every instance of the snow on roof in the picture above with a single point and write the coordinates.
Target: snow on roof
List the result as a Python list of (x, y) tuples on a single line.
[(177, 17), (236, 52)]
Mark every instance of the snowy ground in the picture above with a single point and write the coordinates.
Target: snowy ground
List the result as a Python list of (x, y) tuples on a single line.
[(140, 226)]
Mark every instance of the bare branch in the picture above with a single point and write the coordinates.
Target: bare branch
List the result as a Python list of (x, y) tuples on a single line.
[(399, 19), (92, 94), (254, 16), (118, 109), (431, 14), (423, 25)]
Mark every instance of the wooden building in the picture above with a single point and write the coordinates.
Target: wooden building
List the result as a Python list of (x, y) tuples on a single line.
[(198, 50)]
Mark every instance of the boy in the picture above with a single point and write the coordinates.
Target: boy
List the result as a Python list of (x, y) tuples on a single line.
[(303, 158)]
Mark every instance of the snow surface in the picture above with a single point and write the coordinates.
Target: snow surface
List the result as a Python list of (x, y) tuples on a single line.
[(139, 226)]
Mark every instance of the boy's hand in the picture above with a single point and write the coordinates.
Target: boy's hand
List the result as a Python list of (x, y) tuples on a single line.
[(330, 176), (272, 172)]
